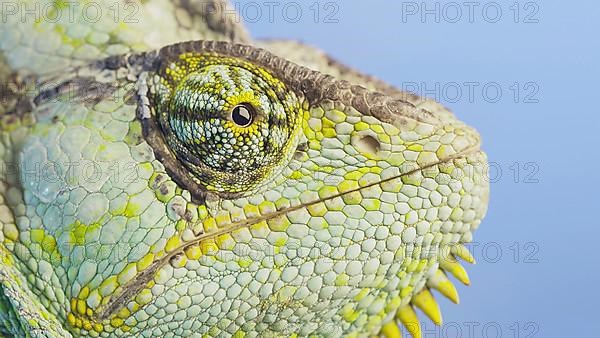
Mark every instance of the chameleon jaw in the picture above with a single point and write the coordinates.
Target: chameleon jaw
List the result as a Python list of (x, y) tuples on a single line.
[(422, 300)]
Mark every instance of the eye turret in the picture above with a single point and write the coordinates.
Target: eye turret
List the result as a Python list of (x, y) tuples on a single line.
[(231, 124)]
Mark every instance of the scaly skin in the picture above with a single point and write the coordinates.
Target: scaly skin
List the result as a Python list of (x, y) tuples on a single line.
[(144, 208)]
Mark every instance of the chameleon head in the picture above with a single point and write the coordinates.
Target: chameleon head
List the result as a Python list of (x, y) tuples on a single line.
[(264, 198), (344, 197)]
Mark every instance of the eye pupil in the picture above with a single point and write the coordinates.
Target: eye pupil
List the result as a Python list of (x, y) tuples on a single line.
[(242, 115)]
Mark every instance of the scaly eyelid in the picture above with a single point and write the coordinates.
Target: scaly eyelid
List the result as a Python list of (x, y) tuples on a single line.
[(224, 157)]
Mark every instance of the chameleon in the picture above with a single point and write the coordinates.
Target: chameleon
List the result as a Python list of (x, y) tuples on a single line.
[(169, 176)]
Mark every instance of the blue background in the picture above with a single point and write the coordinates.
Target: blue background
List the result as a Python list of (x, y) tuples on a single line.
[(548, 288)]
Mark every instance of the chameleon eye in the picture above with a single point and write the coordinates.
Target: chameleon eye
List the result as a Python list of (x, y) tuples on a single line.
[(229, 126), (243, 114)]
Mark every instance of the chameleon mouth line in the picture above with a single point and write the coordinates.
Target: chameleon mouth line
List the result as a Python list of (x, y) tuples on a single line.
[(137, 284)]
